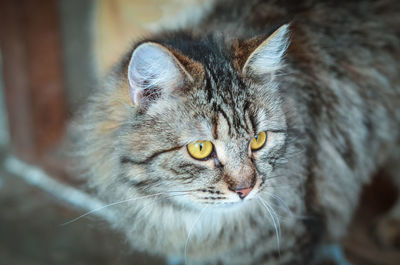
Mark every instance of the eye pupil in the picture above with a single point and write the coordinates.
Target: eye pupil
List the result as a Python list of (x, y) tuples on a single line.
[(200, 149), (258, 141)]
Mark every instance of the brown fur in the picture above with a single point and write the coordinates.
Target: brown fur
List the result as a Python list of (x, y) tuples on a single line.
[(329, 102)]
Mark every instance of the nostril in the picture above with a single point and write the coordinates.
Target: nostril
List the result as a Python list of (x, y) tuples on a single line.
[(243, 192)]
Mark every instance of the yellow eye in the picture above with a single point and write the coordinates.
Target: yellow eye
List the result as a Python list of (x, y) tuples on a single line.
[(258, 141), (200, 149)]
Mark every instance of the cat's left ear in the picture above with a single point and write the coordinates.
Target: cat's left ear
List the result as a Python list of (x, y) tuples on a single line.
[(154, 71), (266, 58)]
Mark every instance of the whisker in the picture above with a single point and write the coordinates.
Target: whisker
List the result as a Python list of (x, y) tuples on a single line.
[(167, 197), (277, 230), (190, 232), (287, 210), (282, 176), (111, 204), (281, 202), (280, 186), (277, 221)]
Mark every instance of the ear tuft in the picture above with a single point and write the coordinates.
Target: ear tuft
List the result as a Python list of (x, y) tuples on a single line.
[(267, 57), (153, 70)]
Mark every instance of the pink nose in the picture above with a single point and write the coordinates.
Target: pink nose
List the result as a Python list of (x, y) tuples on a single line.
[(243, 192)]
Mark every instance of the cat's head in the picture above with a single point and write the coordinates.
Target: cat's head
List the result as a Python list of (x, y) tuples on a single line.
[(205, 122)]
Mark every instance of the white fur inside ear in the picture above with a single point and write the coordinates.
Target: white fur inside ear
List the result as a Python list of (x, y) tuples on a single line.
[(267, 57), (152, 67)]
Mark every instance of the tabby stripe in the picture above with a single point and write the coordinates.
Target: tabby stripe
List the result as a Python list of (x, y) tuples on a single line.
[(269, 256), (215, 127), (186, 168), (126, 159), (346, 150), (208, 87), (278, 131), (315, 225), (253, 123), (145, 183), (241, 121), (247, 119), (186, 179), (273, 157), (139, 184), (226, 118)]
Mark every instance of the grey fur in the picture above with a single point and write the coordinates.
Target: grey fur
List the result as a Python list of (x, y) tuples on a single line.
[(332, 112)]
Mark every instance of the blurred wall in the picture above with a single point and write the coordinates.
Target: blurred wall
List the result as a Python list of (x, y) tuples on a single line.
[(96, 33), (54, 52), (4, 137), (79, 60), (120, 22)]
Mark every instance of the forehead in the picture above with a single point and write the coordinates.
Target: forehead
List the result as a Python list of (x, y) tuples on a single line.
[(226, 102)]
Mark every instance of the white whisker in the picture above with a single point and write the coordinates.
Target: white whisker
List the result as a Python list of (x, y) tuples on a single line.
[(167, 197), (112, 204), (275, 222), (190, 232), (282, 203), (286, 208)]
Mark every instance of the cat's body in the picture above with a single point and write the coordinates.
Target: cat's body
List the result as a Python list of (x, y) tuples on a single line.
[(330, 104)]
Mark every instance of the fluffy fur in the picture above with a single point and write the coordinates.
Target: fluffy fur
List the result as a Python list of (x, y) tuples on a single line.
[(325, 87)]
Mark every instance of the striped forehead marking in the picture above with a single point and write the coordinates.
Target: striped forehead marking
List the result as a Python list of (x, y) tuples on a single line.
[(230, 105)]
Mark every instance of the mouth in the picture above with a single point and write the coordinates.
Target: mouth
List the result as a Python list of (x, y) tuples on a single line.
[(233, 199), (221, 196)]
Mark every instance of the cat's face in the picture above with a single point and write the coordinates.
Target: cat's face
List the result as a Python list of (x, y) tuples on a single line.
[(212, 137)]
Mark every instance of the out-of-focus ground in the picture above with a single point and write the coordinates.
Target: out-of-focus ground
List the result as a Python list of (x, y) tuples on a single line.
[(94, 37), (31, 231), (361, 246)]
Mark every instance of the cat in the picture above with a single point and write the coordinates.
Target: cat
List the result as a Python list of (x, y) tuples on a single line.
[(247, 138)]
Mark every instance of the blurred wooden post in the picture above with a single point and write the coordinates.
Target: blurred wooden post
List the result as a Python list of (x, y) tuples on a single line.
[(30, 42)]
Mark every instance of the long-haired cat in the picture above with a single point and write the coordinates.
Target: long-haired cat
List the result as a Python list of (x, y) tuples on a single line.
[(246, 139)]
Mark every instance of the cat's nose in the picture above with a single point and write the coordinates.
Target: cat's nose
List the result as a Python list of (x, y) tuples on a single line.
[(243, 186), (243, 192)]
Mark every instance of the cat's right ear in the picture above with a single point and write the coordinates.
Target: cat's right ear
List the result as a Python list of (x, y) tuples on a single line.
[(264, 57), (154, 72)]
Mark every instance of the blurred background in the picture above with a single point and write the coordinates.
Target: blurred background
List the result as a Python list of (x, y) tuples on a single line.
[(52, 52)]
